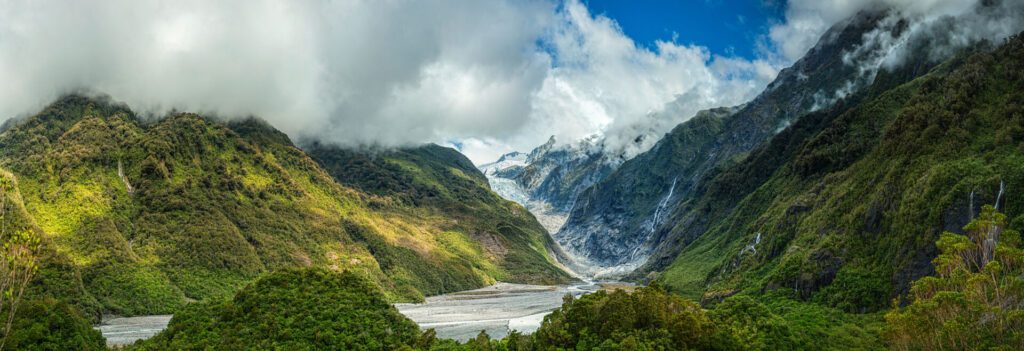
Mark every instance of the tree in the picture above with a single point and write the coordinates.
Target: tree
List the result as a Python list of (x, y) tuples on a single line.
[(648, 318), (18, 258), (976, 299)]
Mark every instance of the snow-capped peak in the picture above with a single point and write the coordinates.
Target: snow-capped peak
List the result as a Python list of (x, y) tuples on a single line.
[(505, 162)]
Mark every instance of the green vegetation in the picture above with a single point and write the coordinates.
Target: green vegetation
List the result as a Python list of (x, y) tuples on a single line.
[(142, 217), (319, 309), (848, 202), (48, 324), (653, 319), (19, 254), (649, 318), (443, 183), (311, 309), (975, 301)]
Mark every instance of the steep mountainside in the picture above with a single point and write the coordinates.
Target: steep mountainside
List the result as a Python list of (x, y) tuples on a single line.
[(143, 216), (844, 207), (443, 185), (501, 175), (618, 221), (556, 174), (548, 180), (508, 166)]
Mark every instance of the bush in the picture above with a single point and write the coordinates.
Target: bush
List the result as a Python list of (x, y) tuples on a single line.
[(47, 324), (975, 301)]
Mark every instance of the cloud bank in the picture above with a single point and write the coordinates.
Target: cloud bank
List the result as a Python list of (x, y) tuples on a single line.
[(807, 20), (603, 83), (489, 76), (912, 30), (351, 72)]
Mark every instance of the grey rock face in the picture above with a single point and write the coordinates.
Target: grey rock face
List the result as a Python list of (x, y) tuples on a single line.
[(633, 213), (548, 180), (557, 174)]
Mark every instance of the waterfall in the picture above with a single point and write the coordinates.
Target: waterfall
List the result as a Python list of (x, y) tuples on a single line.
[(752, 247), (655, 219), (661, 205), (120, 174), (1002, 187)]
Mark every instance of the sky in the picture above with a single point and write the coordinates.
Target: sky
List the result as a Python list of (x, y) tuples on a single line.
[(487, 76), (725, 27)]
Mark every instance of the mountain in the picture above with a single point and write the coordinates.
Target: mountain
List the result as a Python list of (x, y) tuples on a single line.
[(549, 178), (612, 222), (611, 213), (494, 235), (844, 207), (556, 174), (500, 175), (625, 218), (141, 216), (616, 222), (507, 166)]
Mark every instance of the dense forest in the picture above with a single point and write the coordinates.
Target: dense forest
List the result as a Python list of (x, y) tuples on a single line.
[(845, 206), (973, 303)]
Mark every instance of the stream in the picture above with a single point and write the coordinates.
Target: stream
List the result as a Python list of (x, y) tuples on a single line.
[(496, 309), (126, 330)]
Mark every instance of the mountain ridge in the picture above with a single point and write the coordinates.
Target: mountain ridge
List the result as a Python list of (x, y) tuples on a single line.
[(851, 201), (213, 204), (612, 219)]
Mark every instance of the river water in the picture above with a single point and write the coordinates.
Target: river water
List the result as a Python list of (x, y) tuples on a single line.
[(496, 309), (124, 331)]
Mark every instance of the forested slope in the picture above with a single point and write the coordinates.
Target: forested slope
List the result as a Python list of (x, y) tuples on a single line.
[(142, 216), (845, 206)]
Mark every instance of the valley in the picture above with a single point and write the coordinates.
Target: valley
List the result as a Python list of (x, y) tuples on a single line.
[(853, 185)]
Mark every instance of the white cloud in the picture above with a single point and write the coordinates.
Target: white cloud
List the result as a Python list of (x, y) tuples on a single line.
[(604, 83), (353, 72), (500, 74), (918, 29), (492, 76), (807, 20)]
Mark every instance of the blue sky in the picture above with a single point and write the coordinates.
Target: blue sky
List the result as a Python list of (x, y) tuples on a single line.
[(725, 27)]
